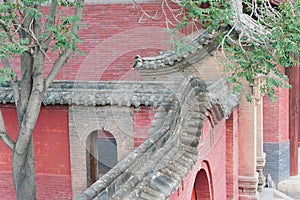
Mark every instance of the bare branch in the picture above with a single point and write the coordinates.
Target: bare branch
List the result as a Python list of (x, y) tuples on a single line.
[(62, 59), (145, 13), (3, 135)]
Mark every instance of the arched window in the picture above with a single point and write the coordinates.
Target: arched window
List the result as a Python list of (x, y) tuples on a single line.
[(201, 188), (101, 154)]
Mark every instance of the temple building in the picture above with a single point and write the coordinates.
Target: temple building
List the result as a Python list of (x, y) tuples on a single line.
[(132, 119)]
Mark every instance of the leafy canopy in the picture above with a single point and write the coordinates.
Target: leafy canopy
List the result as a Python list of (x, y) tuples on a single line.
[(255, 39), (20, 33)]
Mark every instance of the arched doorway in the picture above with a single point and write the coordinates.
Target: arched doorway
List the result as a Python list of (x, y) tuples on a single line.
[(101, 154), (201, 190)]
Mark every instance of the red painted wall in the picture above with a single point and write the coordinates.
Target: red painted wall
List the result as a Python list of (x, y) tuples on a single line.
[(276, 117), (232, 156), (51, 143), (142, 118), (112, 37), (212, 158)]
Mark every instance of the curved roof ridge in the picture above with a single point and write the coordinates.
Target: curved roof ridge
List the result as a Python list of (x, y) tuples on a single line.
[(202, 44), (155, 169)]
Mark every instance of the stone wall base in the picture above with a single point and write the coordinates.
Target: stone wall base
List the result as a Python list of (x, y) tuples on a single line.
[(248, 187)]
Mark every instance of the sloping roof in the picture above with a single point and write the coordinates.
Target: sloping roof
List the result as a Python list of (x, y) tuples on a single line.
[(181, 61), (154, 170), (199, 46), (100, 93)]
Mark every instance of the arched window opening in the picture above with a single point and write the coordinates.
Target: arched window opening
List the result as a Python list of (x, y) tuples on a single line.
[(201, 189), (101, 154), (107, 152)]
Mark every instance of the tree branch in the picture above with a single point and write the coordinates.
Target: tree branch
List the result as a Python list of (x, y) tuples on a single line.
[(62, 59), (26, 85), (3, 24), (3, 135), (11, 13), (50, 21), (26, 67), (14, 81), (51, 14), (37, 24)]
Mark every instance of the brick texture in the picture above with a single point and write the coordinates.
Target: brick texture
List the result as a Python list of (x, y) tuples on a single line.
[(142, 118), (276, 136), (82, 122), (211, 160), (276, 118), (232, 156), (49, 187), (51, 154), (110, 42), (113, 37), (277, 160)]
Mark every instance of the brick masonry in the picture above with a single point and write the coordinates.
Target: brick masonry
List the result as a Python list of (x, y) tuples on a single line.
[(111, 41), (212, 162), (49, 187), (276, 136), (110, 45), (51, 154), (142, 118), (276, 118), (277, 160), (83, 121), (232, 156)]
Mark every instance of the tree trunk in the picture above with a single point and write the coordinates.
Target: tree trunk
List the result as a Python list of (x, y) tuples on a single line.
[(24, 175), (23, 164)]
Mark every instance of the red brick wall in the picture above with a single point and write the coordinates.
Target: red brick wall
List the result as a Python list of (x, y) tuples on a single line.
[(142, 118), (51, 143), (232, 156), (213, 162), (276, 118), (113, 35)]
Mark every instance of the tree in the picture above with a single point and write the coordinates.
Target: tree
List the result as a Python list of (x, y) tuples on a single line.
[(29, 29), (254, 36)]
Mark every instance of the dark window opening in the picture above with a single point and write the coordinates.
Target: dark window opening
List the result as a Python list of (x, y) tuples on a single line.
[(102, 154)]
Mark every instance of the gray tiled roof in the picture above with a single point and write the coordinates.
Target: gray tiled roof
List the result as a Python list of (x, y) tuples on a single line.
[(100, 93), (199, 46), (154, 170)]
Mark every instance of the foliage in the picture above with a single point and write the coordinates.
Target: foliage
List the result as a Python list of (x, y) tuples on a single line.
[(18, 36), (28, 29), (6, 74), (255, 38)]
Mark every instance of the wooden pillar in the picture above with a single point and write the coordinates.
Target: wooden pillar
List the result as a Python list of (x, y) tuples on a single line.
[(293, 74)]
